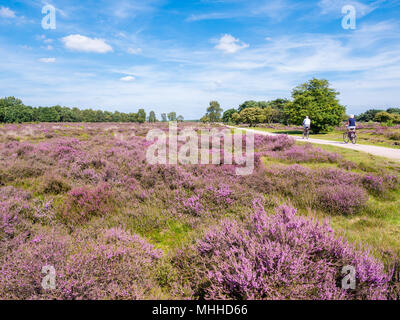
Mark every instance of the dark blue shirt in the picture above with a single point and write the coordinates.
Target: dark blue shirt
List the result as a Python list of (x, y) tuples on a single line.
[(352, 122)]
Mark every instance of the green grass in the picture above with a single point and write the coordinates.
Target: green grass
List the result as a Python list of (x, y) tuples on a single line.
[(365, 162), (376, 226), (362, 137)]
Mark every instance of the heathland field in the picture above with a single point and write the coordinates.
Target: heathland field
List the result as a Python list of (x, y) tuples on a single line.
[(83, 199)]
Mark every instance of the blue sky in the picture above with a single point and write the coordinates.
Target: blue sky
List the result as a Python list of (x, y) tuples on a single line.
[(178, 55)]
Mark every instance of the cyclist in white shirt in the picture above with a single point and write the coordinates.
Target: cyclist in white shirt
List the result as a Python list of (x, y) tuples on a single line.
[(307, 123)]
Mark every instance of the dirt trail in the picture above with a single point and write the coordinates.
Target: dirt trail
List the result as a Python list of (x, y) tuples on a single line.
[(390, 153)]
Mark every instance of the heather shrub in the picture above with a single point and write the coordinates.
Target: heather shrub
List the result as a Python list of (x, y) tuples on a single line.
[(341, 199), (20, 271), (373, 184), (272, 143), (23, 169), (53, 184), (112, 265), (92, 270), (192, 205), (306, 153), (43, 211), (83, 203), (13, 207), (283, 256)]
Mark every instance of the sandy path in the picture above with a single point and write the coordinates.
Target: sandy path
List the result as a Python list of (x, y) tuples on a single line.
[(390, 153)]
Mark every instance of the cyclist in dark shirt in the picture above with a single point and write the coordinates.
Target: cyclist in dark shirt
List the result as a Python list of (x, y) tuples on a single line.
[(351, 124)]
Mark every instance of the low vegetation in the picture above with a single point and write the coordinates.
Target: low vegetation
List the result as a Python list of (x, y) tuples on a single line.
[(82, 198)]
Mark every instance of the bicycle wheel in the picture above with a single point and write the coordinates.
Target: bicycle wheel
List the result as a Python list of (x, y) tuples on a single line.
[(354, 138), (346, 137)]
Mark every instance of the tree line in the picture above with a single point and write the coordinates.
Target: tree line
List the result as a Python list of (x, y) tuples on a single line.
[(314, 98), (390, 115), (12, 110)]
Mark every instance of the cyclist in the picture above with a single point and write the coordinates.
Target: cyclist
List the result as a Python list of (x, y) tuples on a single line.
[(306, 123), (351, 126), (351, 123)]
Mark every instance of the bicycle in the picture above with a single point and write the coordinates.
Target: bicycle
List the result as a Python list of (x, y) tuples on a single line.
[(350, 135), (306, 133)]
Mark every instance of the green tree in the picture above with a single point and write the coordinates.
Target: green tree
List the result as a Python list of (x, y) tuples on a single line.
[(279, 105), (393, 110), (180, 118), (368, 115), (236, 118), (214, 111), (132, 117), (76, 114), (227, 116), (152, 117), (270, 114), (318, 101), (384, 116), (252, 116), (205, 119), (172, 116), (48, 114), (248, 104), (163, 117), (13, 110), (141, 116)]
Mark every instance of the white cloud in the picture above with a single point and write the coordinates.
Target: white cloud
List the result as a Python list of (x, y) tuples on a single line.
[(47, 60), (6, 13), (127, 78), (229, 44), (210, 16), (135, 51), (77, 42)]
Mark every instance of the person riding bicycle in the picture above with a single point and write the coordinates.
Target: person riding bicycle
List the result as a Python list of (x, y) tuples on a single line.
[(307, 123), (351, 123), (351, 129)]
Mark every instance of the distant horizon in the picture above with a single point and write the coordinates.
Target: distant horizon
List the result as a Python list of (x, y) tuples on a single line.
[(165, 55), (158, 115)]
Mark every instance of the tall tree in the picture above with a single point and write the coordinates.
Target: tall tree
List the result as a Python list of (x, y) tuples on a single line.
[(270, 114), (163, 117), (368, 115), (214, 111), (172, 116), (152, 117), (252, 116), (317, 100), (248, 104), (141, 116), (227, 116)]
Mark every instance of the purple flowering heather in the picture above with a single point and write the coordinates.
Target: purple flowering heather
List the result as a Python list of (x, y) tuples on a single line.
[(112, 265), (283, 256)]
